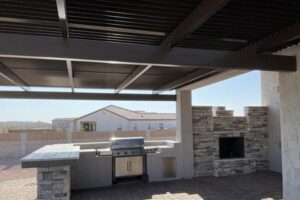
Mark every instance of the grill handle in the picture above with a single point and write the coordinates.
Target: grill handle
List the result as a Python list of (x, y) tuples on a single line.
[(129, 166)]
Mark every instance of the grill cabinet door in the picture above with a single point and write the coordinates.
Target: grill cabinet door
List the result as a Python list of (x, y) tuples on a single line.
[(136, 165), (122, 166)]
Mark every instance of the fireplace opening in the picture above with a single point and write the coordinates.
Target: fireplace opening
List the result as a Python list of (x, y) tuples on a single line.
[(231, 147)]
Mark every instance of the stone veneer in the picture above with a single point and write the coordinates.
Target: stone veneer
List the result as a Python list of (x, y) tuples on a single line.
[(53, 183), (209, 125), (227, 167)]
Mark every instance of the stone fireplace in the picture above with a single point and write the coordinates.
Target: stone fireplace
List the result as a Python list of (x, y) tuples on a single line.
[(227, 145)]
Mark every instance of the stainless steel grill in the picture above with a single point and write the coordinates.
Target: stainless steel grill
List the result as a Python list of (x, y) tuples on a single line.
[(128, 157), (130, 142)]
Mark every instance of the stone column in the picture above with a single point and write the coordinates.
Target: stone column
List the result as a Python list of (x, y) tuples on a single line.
[(257, 137), (53, 183), (290, 127), (184, 132)]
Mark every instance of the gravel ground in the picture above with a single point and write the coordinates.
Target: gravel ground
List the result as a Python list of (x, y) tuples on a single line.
[(16, 183)]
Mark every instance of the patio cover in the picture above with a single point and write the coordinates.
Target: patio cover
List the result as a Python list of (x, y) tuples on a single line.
[(141, 45)]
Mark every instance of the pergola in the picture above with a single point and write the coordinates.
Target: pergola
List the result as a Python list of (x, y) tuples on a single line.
[(157, 46), (142, 45)]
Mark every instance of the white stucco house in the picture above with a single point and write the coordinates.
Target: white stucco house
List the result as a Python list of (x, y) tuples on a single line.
[(114, 118)]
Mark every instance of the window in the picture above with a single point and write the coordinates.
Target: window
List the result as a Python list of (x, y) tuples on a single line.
[(88, 126), (161, 125), (149, 126)]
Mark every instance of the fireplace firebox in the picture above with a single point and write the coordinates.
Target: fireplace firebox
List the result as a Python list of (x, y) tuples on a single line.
[(231, 147)]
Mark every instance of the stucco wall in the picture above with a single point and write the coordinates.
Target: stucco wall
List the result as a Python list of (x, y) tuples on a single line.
[(271, 98), (290, 127)]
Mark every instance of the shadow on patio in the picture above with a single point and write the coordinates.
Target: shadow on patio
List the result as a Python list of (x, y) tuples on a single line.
[(262, 185)]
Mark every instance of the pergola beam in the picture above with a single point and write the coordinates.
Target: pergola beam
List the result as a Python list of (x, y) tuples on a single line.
[(13, 78), (53, 48), (70, 74), (288, 34), (195, 75), (132, 77), (85, 96), (62, 16), (213, 79), (82, 26), (195, 19)]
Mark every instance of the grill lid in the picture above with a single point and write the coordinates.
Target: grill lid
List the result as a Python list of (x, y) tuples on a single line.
[(127, 143)]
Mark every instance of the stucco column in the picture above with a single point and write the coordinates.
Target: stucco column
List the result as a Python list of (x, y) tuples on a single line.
[(270, 97), (290, 127), (184, 132)]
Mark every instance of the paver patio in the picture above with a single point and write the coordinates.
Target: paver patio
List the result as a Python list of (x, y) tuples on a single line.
[(262, 185), (17, 183)]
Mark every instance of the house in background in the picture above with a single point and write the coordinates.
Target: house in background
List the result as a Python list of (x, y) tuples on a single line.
[(114, 118)]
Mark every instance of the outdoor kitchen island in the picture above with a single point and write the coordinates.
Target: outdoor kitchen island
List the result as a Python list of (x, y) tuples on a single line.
[(65, 167)]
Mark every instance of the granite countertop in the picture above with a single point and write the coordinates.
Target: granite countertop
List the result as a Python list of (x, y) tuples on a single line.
[(68, 154), (52, 155)]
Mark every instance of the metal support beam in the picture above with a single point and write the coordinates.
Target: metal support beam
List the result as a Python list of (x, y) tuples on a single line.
[(70, 74), (62, 16), (267, 44), (11, 77), (54, 48), (191, 77), (196, 18), (132, 77), (213, 79), (85, 96)]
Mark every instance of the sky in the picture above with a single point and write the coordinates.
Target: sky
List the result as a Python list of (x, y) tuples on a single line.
[(234, 93)]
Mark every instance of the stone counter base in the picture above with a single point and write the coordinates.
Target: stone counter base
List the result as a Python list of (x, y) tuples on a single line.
[(53, 183), (228, 167)]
